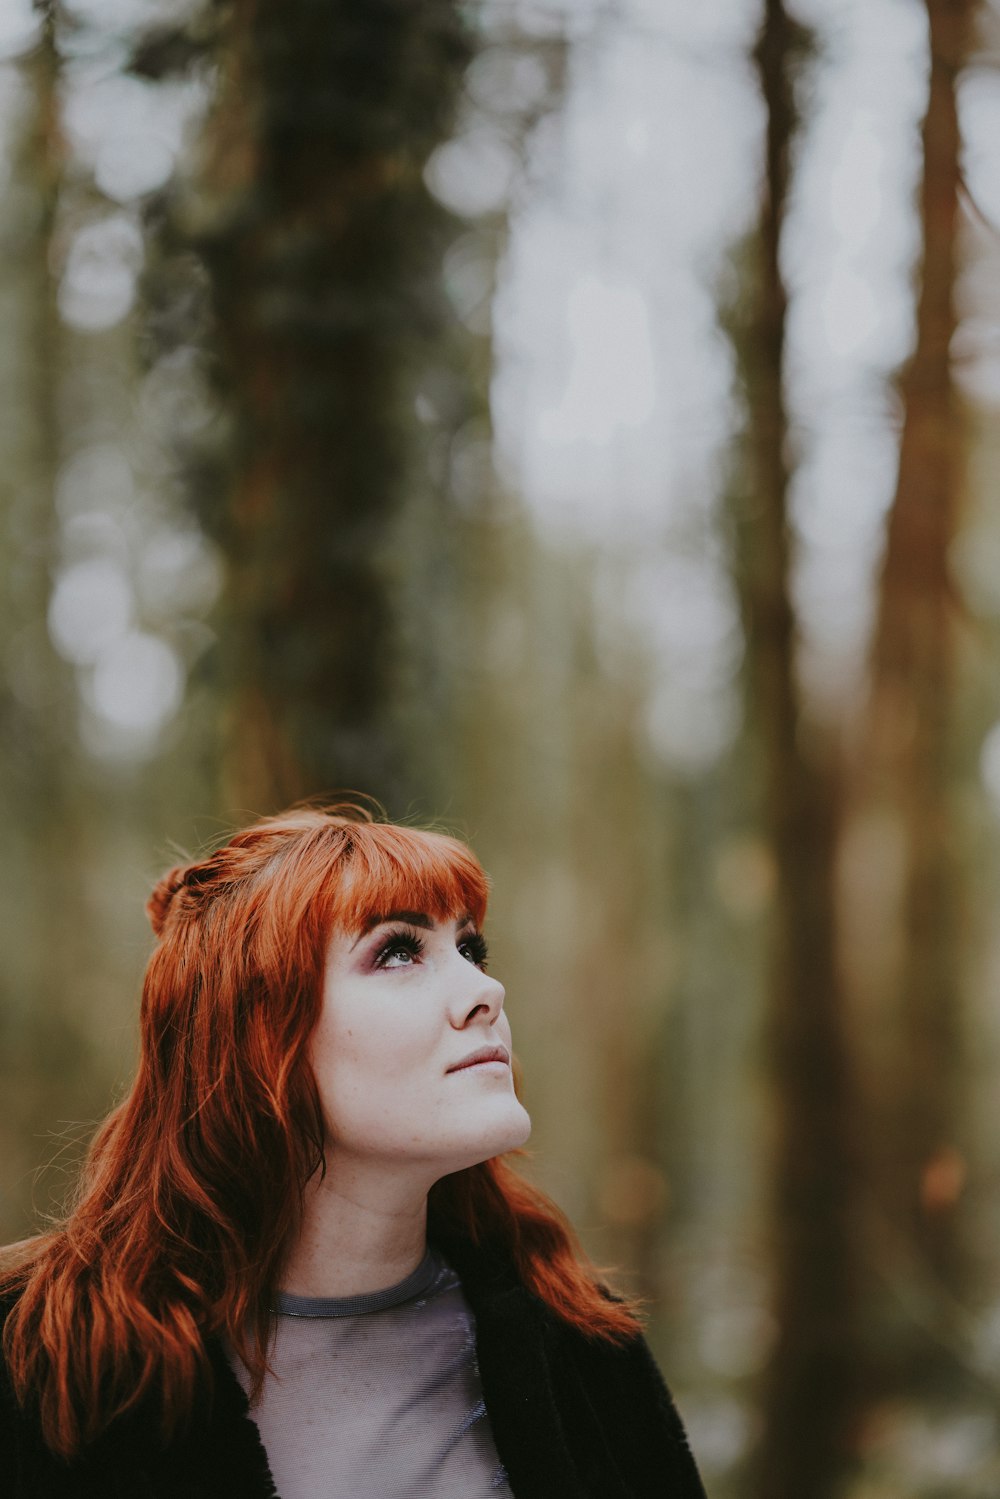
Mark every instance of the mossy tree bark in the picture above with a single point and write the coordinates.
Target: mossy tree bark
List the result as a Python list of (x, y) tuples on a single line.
[(323, 247)]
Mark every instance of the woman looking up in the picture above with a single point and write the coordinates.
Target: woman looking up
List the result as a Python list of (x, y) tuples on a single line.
[(298, 1264)]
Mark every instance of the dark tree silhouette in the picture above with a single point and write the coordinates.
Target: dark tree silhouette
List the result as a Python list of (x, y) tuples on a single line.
[(42, 886), (323, 248), (810, 1383), (909, 750)]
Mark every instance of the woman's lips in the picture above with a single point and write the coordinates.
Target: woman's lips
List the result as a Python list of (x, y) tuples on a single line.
[(484, 1055)]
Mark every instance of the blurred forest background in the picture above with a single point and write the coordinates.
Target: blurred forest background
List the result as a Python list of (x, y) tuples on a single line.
[(574, 421)]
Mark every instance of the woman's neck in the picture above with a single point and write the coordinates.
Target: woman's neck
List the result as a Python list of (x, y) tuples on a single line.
[(362, 1230)]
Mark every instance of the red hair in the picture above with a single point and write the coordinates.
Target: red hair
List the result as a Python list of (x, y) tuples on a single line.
[(192, 1190)]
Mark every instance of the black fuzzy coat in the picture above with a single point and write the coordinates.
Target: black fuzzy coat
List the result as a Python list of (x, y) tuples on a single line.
[(572, 1419)]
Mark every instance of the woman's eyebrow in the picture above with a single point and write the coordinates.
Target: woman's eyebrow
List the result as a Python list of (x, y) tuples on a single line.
[(415, 918)]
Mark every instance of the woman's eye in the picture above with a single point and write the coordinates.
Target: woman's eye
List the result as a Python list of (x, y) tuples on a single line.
[(475, 949), (399, 952)]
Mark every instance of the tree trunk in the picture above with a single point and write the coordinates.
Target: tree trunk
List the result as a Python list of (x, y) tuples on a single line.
[(43, 1056), (810, 1390), (909, 743), (323, 247)]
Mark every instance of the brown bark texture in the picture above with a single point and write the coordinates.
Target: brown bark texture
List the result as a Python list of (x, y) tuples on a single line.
[(910, 742), (323, 247), (43, 896), (810, 1385)]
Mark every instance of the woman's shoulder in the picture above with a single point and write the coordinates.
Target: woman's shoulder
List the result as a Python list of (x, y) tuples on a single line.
[(578, 1402), (613, 1405)]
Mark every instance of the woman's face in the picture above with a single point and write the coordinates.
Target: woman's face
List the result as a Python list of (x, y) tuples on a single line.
[(406, 1003)]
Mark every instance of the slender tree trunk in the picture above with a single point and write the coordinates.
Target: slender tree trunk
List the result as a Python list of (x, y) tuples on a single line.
[(42, 898), (909, 744), (323, 246), (810, 1392)]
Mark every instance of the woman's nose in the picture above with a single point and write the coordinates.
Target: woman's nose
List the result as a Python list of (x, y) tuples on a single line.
[(486, 998)]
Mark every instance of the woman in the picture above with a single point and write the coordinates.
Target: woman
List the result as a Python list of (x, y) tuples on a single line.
[(298, 1263)]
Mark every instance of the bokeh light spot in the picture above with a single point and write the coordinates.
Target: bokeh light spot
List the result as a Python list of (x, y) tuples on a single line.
[(98, 284), (137, 683), (91, 606)]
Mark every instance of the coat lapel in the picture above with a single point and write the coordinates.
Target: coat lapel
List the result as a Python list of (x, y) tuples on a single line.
[(219, 1453), (546, 1434)]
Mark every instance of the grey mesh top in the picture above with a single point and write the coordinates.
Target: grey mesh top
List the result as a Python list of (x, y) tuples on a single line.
[(378, 1396)]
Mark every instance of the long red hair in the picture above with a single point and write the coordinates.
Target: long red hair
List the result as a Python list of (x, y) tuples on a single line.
[(192, 1190)]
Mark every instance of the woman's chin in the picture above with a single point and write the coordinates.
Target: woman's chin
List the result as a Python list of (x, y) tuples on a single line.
[(518, 1131), (505, 1132), (520, 1128)]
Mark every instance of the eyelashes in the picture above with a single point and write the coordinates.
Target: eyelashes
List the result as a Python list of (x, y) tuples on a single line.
[(398, 943), (403, 947), (475, 944)]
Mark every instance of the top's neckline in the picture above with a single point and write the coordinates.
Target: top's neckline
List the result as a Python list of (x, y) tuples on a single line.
[(287, 1305)]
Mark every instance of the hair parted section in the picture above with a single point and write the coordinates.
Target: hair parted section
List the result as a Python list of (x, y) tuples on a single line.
[(193, 1187)]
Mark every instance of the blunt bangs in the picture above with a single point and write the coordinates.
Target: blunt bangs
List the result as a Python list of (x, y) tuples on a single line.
[(384, 867)]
